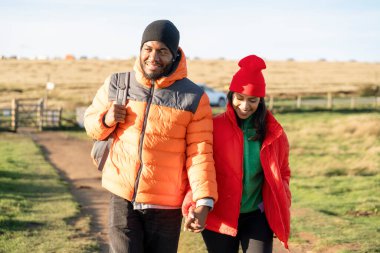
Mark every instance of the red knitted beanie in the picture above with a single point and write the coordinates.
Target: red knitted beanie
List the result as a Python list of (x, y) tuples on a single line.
[(249, 80)]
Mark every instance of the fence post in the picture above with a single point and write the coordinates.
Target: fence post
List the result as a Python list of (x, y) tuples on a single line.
[(271, 101), (14, 113), (352, 102), (60, 117), (299, 101), (40, 113), (329, 100)]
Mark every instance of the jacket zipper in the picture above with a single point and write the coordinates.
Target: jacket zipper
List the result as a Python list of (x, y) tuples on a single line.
[(142, 140)]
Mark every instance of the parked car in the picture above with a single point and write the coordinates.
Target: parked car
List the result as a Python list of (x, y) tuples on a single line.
[(217, 98)]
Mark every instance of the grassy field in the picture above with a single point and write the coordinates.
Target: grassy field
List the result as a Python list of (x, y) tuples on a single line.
[(77, 81), (37, 213), (335, 161)]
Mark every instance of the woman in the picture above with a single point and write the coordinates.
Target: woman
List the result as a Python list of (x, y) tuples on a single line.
[(251, 159)]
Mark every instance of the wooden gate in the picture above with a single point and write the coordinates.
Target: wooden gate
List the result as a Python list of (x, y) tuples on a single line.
[(27, 113)]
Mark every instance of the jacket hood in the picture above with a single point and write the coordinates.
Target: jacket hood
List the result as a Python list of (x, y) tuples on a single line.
[(178, 73)]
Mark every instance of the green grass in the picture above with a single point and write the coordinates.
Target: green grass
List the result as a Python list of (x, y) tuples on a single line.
[(191, 242), (335, 162), (37, 213)]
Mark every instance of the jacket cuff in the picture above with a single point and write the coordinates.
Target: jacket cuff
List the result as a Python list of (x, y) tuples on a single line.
[(104, 121), (205, 202), (104, 130)]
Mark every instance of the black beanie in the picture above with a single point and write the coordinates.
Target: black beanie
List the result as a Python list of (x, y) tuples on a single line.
[(163, 31)]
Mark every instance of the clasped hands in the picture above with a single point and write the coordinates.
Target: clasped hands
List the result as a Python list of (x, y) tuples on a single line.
[(195, 221)]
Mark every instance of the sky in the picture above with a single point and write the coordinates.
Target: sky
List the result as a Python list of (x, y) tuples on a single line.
[(333, 30)]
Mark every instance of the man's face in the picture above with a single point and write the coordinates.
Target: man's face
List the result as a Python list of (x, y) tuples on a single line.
[(155, 59)]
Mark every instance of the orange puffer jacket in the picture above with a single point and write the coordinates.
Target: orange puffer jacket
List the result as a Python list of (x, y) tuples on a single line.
[(165, 142)]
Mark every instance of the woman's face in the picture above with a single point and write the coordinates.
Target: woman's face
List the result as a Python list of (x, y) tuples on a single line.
[(244, 105)]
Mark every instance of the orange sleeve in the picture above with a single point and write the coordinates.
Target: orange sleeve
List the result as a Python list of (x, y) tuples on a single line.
[(93, 116), (199, 151)]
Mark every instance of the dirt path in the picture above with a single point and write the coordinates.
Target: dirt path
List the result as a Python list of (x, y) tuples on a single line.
[(71, 158)]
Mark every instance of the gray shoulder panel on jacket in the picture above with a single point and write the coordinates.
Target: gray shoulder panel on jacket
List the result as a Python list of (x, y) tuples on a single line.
[(183, 95)]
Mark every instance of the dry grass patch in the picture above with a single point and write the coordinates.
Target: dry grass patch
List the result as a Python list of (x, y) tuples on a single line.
[(18, 77)]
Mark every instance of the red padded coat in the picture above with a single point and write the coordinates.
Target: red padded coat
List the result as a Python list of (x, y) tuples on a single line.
[(228, 156)]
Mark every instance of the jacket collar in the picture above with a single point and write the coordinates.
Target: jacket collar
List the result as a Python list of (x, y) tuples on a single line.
[(274, 129), (231, 114), (179, 73)]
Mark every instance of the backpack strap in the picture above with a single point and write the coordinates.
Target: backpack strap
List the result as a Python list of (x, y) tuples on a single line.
[(122, 87), (118, 88), (123, 82)]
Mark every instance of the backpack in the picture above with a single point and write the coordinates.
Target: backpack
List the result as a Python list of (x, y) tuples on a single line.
[(118, 90)]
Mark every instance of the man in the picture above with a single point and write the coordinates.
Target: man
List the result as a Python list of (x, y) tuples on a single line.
[(162, 144)]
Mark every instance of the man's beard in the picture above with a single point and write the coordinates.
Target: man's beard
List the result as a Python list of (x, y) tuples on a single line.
[(155, 76)]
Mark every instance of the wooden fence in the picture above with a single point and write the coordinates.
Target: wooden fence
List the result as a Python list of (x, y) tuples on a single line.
[(29, 113), (328, 100), (33, 113)]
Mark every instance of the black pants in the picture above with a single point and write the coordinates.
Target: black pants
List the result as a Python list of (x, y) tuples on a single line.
[(254, 235), (142, 231)]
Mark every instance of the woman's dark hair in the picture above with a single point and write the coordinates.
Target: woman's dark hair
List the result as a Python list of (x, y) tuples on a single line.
[(258, 120)]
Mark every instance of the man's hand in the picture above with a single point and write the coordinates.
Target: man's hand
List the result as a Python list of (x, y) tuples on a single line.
[(196, 220), (116, 114)]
